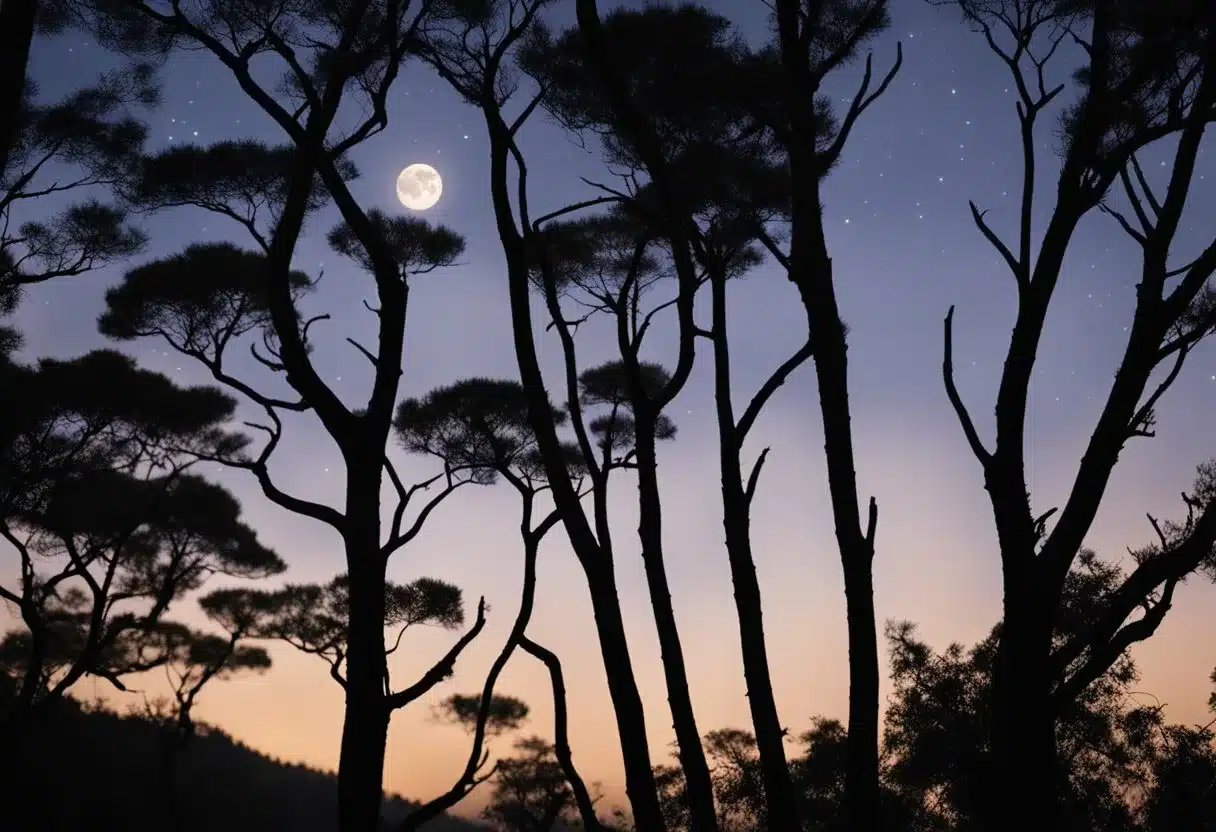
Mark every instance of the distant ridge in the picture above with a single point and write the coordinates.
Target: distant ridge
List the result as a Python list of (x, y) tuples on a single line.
[(99, 771)]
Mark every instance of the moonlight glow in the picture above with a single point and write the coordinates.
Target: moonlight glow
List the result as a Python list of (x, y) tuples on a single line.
[(419, 187)]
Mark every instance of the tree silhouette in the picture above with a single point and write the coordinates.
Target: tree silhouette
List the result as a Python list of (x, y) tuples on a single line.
[(506, 713), (93, 132), (483, 425), (313, 618), (609, 264), (762, 125), (602, 263), (195, 659), (107, 525), (348, 61), (20, 22), (715, 153), (719, 182), (811, 42), (530, 790), (209, 297), (1121, 753), (1129, 769), (1143, 73)]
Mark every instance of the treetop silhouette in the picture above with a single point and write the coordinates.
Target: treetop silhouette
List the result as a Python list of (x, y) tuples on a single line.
[(244, 180), (94, 134), (109, 527)]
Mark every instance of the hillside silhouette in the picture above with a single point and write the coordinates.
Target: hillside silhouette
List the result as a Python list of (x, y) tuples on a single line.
[(86, 768)]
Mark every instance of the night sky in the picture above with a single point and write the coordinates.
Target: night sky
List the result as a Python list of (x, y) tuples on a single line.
[(904, 250)]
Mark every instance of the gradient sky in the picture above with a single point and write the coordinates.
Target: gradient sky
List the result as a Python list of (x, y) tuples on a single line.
[(904, 250)]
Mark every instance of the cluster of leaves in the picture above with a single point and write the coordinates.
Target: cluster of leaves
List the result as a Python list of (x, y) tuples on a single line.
[(93, 134), (108, 525), (531, 790), (313, 618)]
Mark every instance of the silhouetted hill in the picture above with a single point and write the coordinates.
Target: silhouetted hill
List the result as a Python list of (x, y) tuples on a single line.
[(99, 771)]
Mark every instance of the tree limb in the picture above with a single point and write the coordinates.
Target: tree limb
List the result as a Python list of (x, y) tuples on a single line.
[(956, 401), (442, 669)]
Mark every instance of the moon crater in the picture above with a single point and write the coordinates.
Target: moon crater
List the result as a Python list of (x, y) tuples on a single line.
[(419, 187)]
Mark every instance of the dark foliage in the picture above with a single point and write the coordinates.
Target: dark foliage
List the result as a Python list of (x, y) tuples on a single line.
[(199, 301), (414, 244), (93, 133), (104, 522), (479, 426), (1142, 73), (244, 180), (506, 713), (313, 617), (530, 791)]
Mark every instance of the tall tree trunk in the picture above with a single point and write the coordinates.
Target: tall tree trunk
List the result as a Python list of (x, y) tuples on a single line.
[(810, 270), (780, 796), (365, 724), (626, 699), (1022, 789), (17, 18), (862, 794), (699, 788), (597, 564), (1023, 792)]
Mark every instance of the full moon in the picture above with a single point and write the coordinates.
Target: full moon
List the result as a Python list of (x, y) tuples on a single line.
[(419, 187)]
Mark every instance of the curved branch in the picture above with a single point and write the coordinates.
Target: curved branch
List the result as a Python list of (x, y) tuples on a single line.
[(443, 668), (956, 401), (561, 738), (991, 236), (1102, 658), (861, 103), (397, 541), (477, 754), (753, 479), (770, 386), (317, 511)]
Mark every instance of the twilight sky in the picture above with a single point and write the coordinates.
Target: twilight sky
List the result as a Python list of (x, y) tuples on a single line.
[(904, 250)]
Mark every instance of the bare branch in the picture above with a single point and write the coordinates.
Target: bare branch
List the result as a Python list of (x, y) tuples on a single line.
[(1014, 266), (861, 103), (753, 479), (366, 354), (441, 669), (960, 409), (770, 386)]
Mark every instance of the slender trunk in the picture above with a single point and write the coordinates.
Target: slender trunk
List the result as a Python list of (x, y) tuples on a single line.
[(810, 270), (561, 735), (593, 557), (699, 793), (626, 699), (361, 761), (17, 18), (862, 795), (862, 792), (780, 796), (365, 725)]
